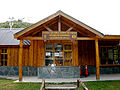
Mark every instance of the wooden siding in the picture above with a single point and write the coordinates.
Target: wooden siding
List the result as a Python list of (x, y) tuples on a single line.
[(13, 56), (37, 53), (75, 53), (83, 53), (86, 52)]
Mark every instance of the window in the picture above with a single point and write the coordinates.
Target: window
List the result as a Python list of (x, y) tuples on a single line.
[(3, 57), (59, 54), (67, 54), (110, 55)]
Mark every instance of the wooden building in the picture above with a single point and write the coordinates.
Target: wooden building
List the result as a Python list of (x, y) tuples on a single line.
[(61, 40)]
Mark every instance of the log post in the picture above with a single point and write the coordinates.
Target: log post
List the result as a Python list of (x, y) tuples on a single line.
[(97, 60), (78, 83), (20, 59)]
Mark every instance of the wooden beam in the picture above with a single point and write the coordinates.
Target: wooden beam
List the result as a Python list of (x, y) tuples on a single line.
[(78, 28), (59, 24), (40, 38), (97, 60), (32, 38), (20, 59), (48, 28), (75, 28), (112, 37), (85, 38), (70, 29), (42, 27)]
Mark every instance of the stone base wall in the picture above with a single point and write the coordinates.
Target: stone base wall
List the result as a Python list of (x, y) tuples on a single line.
[(58, 72), (103, 70), (91, 70), (110, 70), (14, 71)]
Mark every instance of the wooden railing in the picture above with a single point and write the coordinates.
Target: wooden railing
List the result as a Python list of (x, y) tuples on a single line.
[(79, 82), (43, 84)]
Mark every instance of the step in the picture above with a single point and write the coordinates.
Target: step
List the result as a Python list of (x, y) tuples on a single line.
[(63, 86)]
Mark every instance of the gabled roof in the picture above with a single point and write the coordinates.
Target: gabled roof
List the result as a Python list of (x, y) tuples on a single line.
[(17, 35), (7, 37)]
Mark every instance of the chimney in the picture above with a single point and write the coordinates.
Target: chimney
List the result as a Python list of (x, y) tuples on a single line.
[(11, 23)]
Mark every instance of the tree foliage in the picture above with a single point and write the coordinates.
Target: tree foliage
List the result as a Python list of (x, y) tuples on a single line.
[(16, 24)]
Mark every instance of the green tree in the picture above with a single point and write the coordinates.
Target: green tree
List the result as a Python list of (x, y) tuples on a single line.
[(16, 24)]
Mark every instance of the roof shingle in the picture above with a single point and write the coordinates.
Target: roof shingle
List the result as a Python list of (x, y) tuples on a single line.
[(7, 37)]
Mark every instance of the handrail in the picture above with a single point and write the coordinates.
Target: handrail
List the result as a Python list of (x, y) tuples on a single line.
[(43, 84), (83, 85)]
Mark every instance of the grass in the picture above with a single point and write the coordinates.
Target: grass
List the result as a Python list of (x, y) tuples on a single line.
[(103, 85), (6, 84)]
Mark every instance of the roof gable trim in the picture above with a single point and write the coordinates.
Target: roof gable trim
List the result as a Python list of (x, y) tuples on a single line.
[(17, 35)]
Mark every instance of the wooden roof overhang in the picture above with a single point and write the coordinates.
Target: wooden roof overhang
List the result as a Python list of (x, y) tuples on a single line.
[(112, 37), (59, 19)]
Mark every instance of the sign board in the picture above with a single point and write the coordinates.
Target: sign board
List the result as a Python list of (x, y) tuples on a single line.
[(55, 35)]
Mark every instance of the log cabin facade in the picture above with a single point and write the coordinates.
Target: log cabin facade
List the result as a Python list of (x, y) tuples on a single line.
[(61, 41)]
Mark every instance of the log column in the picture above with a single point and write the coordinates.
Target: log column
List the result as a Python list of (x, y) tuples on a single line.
[(97, 60), (20, 59)]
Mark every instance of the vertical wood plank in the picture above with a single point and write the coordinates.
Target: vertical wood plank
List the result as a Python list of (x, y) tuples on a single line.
[(31, 53), (8, 57), (35, 53), (15, 56), (20, 59), (73, 48), (43, 53), (39, 54), (86, 50), (23, 58), (75, 53), (97, 60), (26, 56), (11, 57)]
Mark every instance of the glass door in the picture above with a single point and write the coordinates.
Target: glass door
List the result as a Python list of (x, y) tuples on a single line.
[(59, 54), (49, 54), (67, 54)]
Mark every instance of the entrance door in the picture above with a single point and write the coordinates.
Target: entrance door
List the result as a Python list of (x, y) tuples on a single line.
[(59, 54)]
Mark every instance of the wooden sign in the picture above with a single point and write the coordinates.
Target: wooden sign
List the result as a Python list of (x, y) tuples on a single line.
[(59, 35)]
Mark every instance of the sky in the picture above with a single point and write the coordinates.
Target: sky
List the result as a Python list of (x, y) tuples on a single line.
[(102, 15)]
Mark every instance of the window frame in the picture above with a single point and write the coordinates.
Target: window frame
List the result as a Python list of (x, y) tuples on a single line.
[(3, 60), (106, 56), (63, 52)]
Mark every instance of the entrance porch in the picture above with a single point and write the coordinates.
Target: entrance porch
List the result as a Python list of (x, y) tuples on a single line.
[(64, 36)]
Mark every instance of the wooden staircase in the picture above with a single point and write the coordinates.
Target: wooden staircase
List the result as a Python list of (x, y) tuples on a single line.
[(63, 86)]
